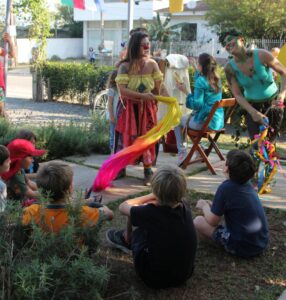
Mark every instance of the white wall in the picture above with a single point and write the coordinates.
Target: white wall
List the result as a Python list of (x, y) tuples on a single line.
[(63, 48)]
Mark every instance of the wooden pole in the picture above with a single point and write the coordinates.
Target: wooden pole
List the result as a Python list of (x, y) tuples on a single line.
[(6, 57)]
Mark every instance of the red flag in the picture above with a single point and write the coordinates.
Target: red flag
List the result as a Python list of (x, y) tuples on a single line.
[(79, 4)]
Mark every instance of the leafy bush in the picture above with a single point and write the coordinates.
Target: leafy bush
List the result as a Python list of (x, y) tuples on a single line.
[(40, 265), (65, 140), (78, 81)]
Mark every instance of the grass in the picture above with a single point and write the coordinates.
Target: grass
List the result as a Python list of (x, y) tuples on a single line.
[(217, 275)]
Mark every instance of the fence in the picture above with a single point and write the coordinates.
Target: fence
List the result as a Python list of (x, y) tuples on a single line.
[(213, 47), (266, 44)]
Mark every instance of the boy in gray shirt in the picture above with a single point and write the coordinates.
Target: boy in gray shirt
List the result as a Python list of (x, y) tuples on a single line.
[(4, 167)]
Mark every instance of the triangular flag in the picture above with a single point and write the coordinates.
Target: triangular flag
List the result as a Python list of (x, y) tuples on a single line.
[(176, 6), (100, 5), (67, 3), (91, 5), (79, 4)]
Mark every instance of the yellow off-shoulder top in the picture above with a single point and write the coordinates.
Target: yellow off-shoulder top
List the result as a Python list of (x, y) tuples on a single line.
[(134, 81)]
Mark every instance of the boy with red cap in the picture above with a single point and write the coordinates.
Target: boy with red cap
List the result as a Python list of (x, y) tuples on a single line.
[(19, 187)]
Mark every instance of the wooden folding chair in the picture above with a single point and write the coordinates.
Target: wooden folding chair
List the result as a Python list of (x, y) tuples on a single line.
[(211, 135)]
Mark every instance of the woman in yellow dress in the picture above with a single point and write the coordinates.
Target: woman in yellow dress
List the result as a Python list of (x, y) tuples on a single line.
[(138, 78)]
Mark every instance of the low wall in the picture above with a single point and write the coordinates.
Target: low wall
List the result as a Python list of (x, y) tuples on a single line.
[(61, 47)]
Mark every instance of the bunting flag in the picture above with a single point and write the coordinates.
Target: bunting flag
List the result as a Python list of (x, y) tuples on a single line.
[(93, 5), (176, 6), (118, 161), (282, 55)]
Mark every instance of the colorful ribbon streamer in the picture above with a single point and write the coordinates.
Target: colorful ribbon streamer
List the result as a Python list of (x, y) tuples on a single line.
[(264, 153), (116, 162)]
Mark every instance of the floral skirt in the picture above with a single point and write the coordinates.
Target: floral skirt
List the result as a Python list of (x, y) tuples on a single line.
[(134, 119)]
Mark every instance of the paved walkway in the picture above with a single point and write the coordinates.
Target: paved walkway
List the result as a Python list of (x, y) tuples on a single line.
[(21, 109), (86, 169)]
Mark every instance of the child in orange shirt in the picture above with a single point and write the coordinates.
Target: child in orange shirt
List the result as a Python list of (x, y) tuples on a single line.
[(55, 179)]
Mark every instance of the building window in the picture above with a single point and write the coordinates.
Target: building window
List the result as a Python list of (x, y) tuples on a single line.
[(189, 32)]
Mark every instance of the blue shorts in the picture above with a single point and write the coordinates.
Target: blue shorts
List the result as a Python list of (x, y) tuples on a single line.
[(221, 235)]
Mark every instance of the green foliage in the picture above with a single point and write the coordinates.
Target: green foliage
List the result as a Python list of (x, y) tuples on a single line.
[(67, 139), (160, 32), (254, 18), (64, 20), (74, 80), (40, 265), (37, 14)]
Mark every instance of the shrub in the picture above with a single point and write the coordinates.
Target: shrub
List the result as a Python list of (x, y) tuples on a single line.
[(66, 139), (39, 265), (78, 81)]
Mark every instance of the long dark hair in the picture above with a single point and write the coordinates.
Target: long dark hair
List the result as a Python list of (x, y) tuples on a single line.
[(133, 50), (208, 64), (111, 79)]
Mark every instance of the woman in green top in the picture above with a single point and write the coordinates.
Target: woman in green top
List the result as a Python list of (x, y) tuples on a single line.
[(250, 70)]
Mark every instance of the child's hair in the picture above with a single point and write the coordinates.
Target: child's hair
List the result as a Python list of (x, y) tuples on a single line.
[(111, 79), (55, 179), (26, 134), (169, 185), (4, 154), (209, 65), (241, 166)]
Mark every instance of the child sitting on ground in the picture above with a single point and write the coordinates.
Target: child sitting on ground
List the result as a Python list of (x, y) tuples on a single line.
[(164, 242), (29, 135), (4, 167), (19, 187), (245, 232), (55, 179)]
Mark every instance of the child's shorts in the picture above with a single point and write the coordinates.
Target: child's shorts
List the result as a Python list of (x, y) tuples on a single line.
[(2, 95), (221, 235)]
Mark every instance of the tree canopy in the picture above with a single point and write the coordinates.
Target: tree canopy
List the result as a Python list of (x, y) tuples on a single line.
[(253, 18), (36, 13)]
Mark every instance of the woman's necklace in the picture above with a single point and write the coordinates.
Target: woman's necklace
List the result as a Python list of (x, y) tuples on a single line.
[(141, 88)]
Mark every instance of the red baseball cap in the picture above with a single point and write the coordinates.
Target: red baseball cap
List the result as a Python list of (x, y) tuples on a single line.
[(19, 149)]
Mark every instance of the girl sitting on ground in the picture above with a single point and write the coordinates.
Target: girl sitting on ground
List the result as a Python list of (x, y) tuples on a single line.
[(206, 92)]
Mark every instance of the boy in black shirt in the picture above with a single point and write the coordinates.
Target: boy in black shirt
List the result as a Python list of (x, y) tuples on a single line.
[(245, 232), (164, 242)]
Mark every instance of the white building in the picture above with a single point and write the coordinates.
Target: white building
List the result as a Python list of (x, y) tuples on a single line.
[(192, 22), (115, 22)]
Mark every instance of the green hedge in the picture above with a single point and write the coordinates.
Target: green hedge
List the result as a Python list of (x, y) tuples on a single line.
[(65, 140), (74, 80)]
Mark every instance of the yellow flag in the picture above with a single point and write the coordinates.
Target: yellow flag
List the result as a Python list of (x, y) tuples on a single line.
[(176, 6), (282, 55)]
